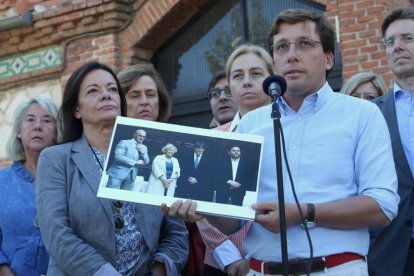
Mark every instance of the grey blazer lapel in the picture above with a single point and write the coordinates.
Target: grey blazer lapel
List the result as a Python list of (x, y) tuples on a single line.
[(388, 109), (86, 163)]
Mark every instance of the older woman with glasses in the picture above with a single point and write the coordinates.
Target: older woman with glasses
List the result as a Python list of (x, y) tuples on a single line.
[(21, 248), (86, 235)]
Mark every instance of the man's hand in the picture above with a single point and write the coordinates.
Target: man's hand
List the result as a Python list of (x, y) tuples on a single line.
[(267, 214), (5, 270), (140, 162), (238, 268), (159, 269), (140, 148), (166, 183), (234, 184), (185, 210)]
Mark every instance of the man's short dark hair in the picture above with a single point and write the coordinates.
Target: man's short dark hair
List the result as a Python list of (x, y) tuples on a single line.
[(397, 14), (199, 145), (216, 78), (323, 28)]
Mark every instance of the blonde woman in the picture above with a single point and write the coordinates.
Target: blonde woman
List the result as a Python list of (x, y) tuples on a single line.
[(365, 85), (165, 171)]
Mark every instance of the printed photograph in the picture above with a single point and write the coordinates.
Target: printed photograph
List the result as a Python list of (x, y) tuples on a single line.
[(154, 163)]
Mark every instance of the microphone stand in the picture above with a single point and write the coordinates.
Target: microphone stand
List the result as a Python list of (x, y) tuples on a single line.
[(279, 172)]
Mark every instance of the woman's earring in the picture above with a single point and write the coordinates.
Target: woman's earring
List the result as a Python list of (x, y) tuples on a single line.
[(19, 136)]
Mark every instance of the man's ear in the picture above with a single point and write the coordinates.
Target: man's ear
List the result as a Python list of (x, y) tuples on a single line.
[(329, 60)]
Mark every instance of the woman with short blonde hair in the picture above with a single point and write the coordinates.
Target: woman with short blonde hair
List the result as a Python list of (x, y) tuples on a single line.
[(365, 85)]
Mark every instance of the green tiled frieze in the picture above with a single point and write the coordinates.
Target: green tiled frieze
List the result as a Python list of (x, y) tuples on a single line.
[(29, 62)]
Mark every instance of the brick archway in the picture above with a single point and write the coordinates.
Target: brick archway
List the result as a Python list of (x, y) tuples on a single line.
[(153, 23)]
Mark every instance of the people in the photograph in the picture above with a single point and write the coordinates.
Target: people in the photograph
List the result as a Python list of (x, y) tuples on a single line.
[(35, 127), (84, 234), (223, 106), (145, 93), (196, 172), (165, 172), (391, 250), (365, 85), (235, 176), (129, 156), (342, 171)]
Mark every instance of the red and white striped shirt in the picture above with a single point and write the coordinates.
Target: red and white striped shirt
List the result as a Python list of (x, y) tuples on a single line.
[(213, 237)]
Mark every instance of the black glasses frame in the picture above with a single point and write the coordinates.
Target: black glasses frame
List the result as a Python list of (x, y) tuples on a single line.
[(215, 93)]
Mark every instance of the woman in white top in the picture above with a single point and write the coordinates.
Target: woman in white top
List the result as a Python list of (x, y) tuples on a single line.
[(165, 171)]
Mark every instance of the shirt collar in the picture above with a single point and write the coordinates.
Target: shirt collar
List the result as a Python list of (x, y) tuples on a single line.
[(21, 171), (398, 91), (313, 102), (234, 122)]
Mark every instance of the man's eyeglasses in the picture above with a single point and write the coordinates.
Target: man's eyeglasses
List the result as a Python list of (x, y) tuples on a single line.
[(118, 218), (301, 44), (404, 39), (215, 93)]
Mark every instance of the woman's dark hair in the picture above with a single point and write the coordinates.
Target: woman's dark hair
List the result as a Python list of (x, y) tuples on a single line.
[(72, 127)]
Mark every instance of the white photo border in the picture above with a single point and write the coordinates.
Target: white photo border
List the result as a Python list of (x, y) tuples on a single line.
[(211, 208)]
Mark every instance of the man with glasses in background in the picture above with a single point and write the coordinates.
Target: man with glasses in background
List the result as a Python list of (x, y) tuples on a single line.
[(129, 155), (222, 103), (398, 107)]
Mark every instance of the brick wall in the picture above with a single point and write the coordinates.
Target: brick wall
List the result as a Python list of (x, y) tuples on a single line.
[(117, 32), (360, 35), (138, 29)]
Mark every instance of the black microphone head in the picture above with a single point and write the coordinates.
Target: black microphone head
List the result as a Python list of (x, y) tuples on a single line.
[(274, 79)]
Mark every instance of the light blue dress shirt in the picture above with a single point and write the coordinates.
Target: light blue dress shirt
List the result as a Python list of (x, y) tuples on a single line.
[(337, 147), (404, 107)]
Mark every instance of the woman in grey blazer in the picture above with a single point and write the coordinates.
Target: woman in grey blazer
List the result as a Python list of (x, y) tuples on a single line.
[(83, 234)]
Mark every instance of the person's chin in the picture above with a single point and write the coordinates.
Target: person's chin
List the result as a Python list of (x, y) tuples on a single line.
[(147, 118), (226, 116), (110, 116)]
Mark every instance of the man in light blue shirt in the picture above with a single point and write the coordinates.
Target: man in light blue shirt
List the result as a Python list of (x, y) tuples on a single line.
[(398, 110), (339, 152)]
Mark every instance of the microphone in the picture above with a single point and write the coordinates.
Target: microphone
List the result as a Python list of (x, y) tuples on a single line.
[(274, 86)]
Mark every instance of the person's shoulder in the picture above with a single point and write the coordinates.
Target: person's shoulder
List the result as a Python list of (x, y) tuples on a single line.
[(224, 127), (251, 118), (58, 150), (125, 141), (5, 171), (380, 100), (351, 102), (259, 112)]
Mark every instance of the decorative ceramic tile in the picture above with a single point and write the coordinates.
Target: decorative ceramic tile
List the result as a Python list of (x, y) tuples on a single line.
[(28, 62)]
